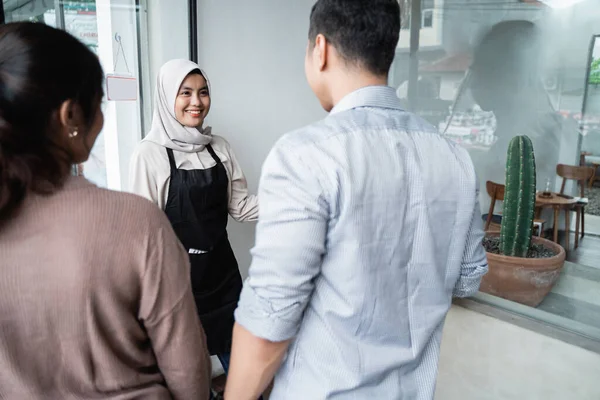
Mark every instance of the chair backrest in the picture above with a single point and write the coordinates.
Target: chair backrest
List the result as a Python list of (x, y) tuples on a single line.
[(496, 192), (571, 172)]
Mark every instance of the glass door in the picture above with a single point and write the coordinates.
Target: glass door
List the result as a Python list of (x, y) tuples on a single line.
[(113, 30)]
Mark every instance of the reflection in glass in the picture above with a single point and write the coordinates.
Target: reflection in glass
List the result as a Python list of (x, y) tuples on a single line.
[(31, 10), (491, 70), (505, 80), (590, 121)]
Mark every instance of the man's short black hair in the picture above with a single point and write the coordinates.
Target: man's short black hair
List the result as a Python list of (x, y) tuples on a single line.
[(364, 32)]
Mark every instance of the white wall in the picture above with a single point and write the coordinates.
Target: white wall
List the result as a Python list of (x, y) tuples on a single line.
[(168, 38), (253, 53), (484, 358)]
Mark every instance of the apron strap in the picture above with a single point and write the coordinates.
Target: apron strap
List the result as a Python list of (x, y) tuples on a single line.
[(213, 154), (171, 159)]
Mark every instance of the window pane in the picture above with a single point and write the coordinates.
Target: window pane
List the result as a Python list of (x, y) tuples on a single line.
[(109, 28), (82, 22), (492, 70), (31, 10), (427, 18)]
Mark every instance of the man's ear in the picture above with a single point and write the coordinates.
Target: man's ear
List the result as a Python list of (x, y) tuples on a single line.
[(320, 52)]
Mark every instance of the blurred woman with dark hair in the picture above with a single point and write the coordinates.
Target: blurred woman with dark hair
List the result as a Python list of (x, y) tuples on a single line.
[(505, 78), (95, 298)]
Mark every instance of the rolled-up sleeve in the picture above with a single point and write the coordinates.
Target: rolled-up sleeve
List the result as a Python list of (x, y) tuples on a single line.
[(474, 265), (290, 243)]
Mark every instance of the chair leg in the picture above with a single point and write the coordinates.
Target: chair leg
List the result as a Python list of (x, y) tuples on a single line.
[(577, 228), (567, 229), (556, 213), (582, 223)]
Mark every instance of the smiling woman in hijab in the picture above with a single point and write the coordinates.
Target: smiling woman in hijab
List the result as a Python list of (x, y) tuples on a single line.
[(195, 178)]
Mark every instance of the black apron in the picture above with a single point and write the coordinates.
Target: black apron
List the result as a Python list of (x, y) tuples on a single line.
[(197, 207)]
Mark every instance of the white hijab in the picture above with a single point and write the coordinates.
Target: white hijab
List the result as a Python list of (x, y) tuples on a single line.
[(166, 130)]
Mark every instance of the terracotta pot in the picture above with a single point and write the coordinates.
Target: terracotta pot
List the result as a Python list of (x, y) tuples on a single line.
[(523, 280)]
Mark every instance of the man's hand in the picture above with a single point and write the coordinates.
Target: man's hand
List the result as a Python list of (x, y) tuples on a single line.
[(254, 362)]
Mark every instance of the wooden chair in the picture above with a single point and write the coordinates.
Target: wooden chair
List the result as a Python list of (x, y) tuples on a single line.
[(582, 157), (496, 193), (582, 175)]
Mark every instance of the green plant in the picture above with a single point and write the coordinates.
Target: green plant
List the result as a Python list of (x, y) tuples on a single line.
[(595, 72), (519, 198)]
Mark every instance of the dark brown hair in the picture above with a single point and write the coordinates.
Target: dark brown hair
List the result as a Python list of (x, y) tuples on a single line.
[(364, 32), (508, 61), (40, 68)]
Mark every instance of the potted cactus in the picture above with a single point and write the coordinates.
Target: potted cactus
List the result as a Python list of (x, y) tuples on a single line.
[(522, 268)]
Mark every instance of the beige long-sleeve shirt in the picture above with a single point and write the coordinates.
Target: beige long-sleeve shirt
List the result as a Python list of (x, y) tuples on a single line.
[(149, 175), (95, 301)]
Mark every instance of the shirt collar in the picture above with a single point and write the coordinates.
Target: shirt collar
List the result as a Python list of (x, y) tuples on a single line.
[(369, 96)]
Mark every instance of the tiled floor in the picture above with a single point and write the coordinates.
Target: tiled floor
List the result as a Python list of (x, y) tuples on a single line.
[(577, 293), (592, 224), (588, 252)]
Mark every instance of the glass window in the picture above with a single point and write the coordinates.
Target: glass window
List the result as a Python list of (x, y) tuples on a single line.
[(426, 13), (33, 10), (488, 71), (111, 29), (427, 18)]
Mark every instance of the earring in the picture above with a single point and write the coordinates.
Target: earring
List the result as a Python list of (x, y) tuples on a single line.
[(74, 133)]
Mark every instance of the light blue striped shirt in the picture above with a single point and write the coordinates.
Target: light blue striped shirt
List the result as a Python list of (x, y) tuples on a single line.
[(369, 224)]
